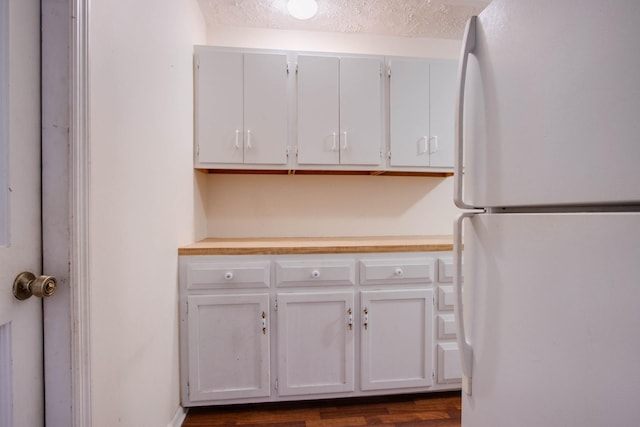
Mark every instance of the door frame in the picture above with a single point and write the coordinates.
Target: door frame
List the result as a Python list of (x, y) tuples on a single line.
[(66, 215)]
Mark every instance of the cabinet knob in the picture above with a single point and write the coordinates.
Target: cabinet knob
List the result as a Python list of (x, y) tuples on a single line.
[(315, 274), (399, 272), (228, 275)]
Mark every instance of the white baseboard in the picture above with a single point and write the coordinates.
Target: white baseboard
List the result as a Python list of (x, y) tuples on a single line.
[(178, 418)]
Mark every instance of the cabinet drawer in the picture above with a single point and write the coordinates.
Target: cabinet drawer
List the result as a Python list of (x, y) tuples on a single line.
[(228, 275), (446, 326), (445, 270), (449, 370), (446, 298), (401, 270), (316, 272)]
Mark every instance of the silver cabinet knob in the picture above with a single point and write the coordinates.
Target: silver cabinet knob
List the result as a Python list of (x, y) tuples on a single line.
[(27, 284)]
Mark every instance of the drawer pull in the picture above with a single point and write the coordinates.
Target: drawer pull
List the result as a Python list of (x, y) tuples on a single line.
[(228, 275), (399, 272), (315, 274)]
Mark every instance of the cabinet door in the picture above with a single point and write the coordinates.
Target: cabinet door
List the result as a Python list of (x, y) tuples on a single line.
[(409, 113), (265, 109), (315, 343), (397, 337), (318, 116), (219, 111), (228, 346), (443, 94), (360, 111)]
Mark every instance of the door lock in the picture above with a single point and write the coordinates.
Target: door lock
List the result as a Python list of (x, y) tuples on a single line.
[(27, 284)]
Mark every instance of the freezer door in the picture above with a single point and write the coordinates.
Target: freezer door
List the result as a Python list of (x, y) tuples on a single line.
[(552, 310), (552, 104)]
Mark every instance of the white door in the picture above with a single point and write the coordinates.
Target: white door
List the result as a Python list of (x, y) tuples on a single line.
[(397, 337), (315, 343), (409, 113), (551, 303), (265, 108), (318, 114), (218, 107), (442, 81), (21, 372), (360, 111)]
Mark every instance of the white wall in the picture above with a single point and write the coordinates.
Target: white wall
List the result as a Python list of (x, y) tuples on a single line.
[(294, 205), (142, 202)]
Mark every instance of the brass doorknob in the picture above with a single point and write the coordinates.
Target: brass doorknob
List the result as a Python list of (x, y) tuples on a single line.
[(27, 284)]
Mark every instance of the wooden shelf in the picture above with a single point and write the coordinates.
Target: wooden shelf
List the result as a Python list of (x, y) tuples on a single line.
[(325, 172), (317, 245)]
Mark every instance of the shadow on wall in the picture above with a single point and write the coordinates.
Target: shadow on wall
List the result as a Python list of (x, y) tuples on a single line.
[(326, 205)]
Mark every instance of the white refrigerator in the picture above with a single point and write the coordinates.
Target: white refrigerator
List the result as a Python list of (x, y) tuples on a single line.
[(548, 176)]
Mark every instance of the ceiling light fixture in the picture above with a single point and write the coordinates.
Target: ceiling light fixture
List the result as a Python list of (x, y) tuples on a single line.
[(302, 9)]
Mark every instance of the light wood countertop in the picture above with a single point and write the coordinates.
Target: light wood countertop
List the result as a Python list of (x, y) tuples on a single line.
[(317, 245)]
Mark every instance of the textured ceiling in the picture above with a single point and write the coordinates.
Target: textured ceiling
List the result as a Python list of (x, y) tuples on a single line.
[(406, 18)]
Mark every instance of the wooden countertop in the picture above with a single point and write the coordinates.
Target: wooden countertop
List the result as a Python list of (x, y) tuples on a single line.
[(317, 245)]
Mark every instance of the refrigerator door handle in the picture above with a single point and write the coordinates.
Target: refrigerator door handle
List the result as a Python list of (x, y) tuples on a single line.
[(468, 46), (466, 351)]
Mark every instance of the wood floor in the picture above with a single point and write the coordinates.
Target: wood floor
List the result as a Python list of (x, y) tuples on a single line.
[(432, 410)]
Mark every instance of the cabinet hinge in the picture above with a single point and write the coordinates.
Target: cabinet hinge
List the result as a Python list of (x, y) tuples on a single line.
[(389, 72), (275, 308), (286, 152), (197, 149), (381, 154), (276, 384), (433, 300), (197, 61), (433, 375), (188, 388), (389, 155)]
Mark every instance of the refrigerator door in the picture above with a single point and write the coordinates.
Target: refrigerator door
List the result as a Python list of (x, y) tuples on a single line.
[(552, 104), (552, 311)]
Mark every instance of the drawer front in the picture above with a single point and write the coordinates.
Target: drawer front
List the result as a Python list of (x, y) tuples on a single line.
[(316, 272), (400, 270), (446, 298), (228, 275), (446, 327), (445, 270), (449, 370)]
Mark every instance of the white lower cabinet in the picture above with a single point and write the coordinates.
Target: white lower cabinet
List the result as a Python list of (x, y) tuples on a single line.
[(397, 339), (264, 328), (315, 342), (228, 346)]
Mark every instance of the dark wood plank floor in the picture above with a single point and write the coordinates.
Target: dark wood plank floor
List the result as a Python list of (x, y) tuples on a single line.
[(432, 410)]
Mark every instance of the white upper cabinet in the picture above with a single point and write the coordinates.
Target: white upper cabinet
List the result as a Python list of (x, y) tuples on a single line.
[(337, 112), (241, 109), (421, 111), (340, 111)]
